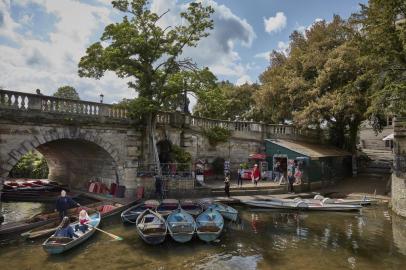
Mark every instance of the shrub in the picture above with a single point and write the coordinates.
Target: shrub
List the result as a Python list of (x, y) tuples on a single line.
[(217, 135)]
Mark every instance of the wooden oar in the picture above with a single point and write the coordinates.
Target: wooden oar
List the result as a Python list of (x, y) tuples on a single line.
[(109, 234)]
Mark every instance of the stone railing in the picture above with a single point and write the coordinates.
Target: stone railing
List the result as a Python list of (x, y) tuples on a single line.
[(19, 101), (241, 126), (32, 102)]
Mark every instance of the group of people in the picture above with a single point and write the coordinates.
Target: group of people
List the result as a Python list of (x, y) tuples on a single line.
[(63, 204), (255, 177)]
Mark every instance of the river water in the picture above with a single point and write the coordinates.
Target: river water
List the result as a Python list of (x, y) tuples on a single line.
[(372, 239)]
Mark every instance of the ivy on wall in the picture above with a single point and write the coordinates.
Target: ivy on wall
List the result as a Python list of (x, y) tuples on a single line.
[(216, 135)]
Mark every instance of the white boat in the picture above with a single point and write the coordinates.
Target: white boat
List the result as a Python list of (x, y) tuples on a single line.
[(364, 201), (301, 205)]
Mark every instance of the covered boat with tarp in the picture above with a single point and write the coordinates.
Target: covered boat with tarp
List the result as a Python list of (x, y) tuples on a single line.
[(191, 207)]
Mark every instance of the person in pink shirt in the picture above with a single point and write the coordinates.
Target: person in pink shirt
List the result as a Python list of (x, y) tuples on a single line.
[(255, 174)]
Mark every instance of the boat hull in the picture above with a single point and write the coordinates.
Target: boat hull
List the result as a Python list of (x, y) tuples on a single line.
[(227, 211), (181, 226), (54, 248), (209, 225), (155, 234)]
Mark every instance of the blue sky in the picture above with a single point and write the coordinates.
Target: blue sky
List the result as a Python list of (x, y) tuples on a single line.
[(41, 41)]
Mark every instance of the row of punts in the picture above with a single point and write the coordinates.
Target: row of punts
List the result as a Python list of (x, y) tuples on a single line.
[(181, 220)]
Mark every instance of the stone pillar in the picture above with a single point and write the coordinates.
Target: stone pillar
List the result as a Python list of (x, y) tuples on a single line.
[(399, 168)]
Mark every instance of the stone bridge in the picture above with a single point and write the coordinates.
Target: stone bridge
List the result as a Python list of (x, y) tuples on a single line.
[(82, 140)]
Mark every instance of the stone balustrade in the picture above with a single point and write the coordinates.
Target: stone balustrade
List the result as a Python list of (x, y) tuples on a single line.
[(33, 102), (51, 105)]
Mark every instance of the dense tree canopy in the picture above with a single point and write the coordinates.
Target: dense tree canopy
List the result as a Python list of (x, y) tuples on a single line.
[(67, 92), (224, 100), (149, 56)]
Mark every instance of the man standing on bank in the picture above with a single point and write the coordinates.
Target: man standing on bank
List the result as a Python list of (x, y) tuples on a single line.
[(227, 184), (63, 203), (240, 174)]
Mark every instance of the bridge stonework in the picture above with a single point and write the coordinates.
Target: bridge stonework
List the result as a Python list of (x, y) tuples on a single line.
[(86, 140), (399, 169)]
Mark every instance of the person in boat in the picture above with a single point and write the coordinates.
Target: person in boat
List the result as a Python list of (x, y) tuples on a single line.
[(255, 174), (84, 219), (63, 203), (65, 230), (227, 184), (240, 175)]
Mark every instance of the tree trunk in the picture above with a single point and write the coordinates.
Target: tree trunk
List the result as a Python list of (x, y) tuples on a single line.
[(153, 156)]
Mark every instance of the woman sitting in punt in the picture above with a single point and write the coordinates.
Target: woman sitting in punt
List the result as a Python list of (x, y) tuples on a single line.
[(83, 220), (65, 230)]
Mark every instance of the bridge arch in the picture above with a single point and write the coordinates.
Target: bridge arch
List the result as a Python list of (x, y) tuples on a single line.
[(74, 156)]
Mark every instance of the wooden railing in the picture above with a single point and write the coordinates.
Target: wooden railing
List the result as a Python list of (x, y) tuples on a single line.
[(32, 102)]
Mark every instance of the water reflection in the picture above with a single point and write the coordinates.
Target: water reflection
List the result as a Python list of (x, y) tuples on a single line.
[(261, 240)]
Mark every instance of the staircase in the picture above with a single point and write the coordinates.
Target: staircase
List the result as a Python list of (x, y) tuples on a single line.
[(379, 165)]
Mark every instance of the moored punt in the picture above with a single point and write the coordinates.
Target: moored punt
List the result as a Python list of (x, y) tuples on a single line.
[(191, 207), (33, 222), (227, 211), (151, 227), (181, 225), (364, 201), (130, 215), (209, 225), (301, 205), (167, 206), (32, 196), (57, 245), (105, 209)]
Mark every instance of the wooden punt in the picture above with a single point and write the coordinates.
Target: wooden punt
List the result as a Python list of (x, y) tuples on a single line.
[(130, 215), (106, 209), (191, 207), (57, 245), (167, 206)]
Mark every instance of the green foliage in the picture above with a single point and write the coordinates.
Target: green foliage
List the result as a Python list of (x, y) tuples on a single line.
[(321, 82), (383, 48), (68, 92), (218, 165), (139, 49), (226, 101), (181, 156), (31, 165), (217, 135)]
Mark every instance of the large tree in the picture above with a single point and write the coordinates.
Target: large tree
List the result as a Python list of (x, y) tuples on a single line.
[(68, 92), (150, 56), (382, 42), (320, 82)]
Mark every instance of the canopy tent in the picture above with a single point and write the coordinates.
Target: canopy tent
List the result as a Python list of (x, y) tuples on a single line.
[(389, 137), (257, 156)]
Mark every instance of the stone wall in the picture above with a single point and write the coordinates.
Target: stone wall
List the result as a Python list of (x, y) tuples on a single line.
[(399, 170)]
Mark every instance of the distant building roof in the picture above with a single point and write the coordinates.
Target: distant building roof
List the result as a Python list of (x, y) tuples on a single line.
[(310, 149)]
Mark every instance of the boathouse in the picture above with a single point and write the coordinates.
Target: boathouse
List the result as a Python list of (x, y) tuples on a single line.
[(316, 162)]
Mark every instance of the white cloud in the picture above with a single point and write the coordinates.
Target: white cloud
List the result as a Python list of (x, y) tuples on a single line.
[(283, 47), (302, 29), (264, 55), (47, 63), (243, 79), (276, 23)]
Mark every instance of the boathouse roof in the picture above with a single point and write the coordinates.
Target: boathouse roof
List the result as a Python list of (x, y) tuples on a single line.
[(310, 149)]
